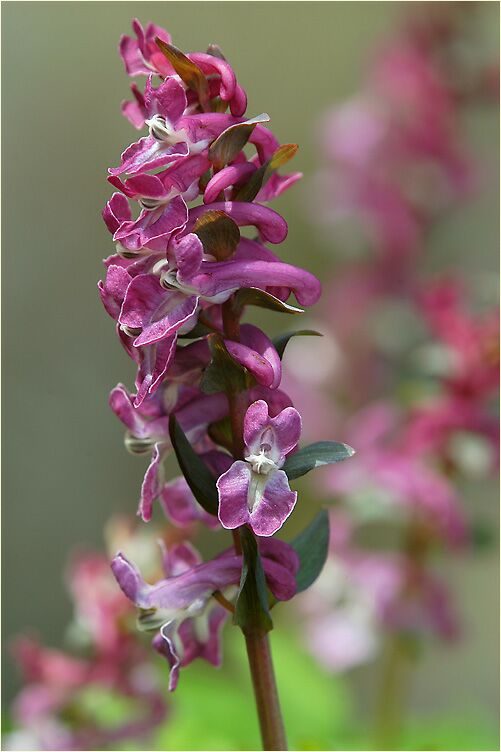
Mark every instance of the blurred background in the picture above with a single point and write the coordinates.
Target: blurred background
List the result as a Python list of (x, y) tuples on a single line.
[(65, 468)]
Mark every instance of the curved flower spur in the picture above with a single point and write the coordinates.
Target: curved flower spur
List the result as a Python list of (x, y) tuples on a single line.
[(207, 386)]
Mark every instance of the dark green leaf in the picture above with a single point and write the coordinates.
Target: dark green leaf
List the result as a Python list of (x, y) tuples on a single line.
[(316, 455), (282, 341), (255, 296), (251, 608), (218, 233), (222, 374), (249, 190), (230, 142), (194, 469), (187, 70), (312, 547)]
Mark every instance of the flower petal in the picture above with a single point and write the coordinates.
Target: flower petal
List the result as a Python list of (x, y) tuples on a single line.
[(275, 505), (154, 310), (233, 488)]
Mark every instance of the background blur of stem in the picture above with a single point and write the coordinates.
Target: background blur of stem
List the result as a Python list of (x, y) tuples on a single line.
[(65, 470)]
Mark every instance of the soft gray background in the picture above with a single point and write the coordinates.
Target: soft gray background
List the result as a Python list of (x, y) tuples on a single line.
[(65, 469)]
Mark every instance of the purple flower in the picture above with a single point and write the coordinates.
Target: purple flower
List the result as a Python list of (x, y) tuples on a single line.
[(181, 605), (255, 491), (148, 429), (181, 507), (141, 56)]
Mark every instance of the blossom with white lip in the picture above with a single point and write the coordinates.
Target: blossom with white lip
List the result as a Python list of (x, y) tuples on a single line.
[(256, 491)]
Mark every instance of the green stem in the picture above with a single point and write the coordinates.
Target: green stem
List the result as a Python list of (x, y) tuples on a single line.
[(390, 701), (397, 659), (257, 643), (265, 691)]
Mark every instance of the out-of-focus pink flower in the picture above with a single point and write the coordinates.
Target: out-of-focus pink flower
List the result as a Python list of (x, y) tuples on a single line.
[(48, 709), (362, 595), (386, 479)]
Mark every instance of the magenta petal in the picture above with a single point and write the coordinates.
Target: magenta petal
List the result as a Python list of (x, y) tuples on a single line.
[(135, 111), (154, 310), (177, 593), (206, 646), (270, 224), (179, 558), (153, 360), (181, 507), (113, 289), (148, 154), (163, 643), (226, 177), (153, 228), (139, 186), (233, 488), (280, 552), (276, 504), (255, 421), (189, 252), (129, 579), (257, 340), (214, 65), (280, 580), (276, 185), (238, 104), (121, 404), (151, 487), (259, 273), (116, 211), (255, 363), (287, 428), (169, 99)]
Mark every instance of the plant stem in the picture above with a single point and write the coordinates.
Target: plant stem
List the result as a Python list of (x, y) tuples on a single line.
[(397, 661), (265, 691), (257, 643), (390, 696)]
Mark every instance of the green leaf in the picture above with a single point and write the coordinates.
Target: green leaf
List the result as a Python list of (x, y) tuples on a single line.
[(316, 455), (194, 469), (251, 608), (249, 190), (218, 233), (282, 341), (312, 547), (261, 299), (282, 155), (187, 70), (222, 374), (230, 142)]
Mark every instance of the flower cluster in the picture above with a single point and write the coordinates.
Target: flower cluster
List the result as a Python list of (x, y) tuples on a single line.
[(417, 367), (56, 708), (207, 386)]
